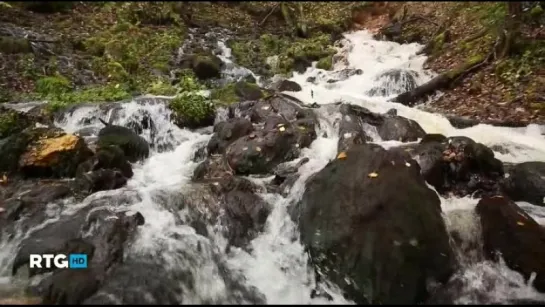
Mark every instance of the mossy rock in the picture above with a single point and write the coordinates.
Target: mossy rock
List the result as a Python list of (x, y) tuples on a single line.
[(12, 45), (191, 110), (206, 66), (134, 146), (236, 92)]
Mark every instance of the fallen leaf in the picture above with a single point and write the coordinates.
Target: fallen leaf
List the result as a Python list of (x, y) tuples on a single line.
[(117, 85), (258, 149), (245, 148), (2, 210), (341, 155), (301, 128), (282, 129), (520, 223), (407, 164), (265, 108), (280, 125), (373, 175), (4, 179)]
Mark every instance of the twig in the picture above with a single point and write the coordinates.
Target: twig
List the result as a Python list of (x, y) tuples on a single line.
[(270, 13)]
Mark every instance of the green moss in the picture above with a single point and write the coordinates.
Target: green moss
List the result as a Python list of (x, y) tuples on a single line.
[(325, 63), (254, 53), (235, 92), (225, 94), (53, 85), (61, 97)]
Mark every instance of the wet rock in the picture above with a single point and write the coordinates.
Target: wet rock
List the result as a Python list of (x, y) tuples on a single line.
[(232, 203), (260, 152), (53, 154), (100, 180), (399, 129), (285, 176), (286, 85), (511, 232), (214, 167), (389, 127), (458, 165), (526, 182), (134, 146), (258, 111), (25, 202), (460, 122), (99, 233), (226, 132), (248, 91), (351, 131), (383, 246), (109, 157), (394, 82), (204, 66), (142, 121)]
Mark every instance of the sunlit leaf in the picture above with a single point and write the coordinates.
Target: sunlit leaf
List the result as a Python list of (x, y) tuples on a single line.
[(341, 155), (520, 223), (258, 149), (282, 129)]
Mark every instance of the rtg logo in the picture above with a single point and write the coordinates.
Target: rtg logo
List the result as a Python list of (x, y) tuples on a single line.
[(59, 261)]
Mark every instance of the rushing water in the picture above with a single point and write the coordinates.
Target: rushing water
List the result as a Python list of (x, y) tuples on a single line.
[(276, 264)]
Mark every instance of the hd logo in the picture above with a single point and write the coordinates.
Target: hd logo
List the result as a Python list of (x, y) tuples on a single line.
[(59, 261)]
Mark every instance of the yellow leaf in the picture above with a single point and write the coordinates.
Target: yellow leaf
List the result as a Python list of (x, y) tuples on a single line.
[(282, 129), (407, 164), (301, 128), (520, 223), (258, 149), (341, 155), (280, 125), (373, 175), (4, 179)]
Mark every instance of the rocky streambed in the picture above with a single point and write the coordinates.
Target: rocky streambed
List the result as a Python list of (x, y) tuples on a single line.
[(324, 192)]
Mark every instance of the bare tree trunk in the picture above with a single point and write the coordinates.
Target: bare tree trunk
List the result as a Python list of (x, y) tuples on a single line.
[(512, 27)]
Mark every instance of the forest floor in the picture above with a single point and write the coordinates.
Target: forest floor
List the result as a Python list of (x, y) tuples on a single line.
[(510, 89), (104, 51)]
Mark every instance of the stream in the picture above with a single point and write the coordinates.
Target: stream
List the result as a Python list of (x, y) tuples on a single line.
[(274, 268)]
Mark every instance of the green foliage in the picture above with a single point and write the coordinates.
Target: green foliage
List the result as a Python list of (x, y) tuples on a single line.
[(58, 92), (53, 85), (325, 63), (12, 45), (190, 104), (161, 87), (253, 53)]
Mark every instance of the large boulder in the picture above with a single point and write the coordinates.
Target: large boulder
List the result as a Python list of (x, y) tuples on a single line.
[(526, 182), (394, 82), (134, 146), (229, 201), (509, 232), (379, 247), (43, 152), (205, 66), (228, 131)]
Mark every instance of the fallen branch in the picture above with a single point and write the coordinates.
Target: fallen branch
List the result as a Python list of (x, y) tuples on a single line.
[(270, 13), (445, 79)]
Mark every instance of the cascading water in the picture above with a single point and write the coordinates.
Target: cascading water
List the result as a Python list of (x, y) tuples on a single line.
[(275, 266)]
